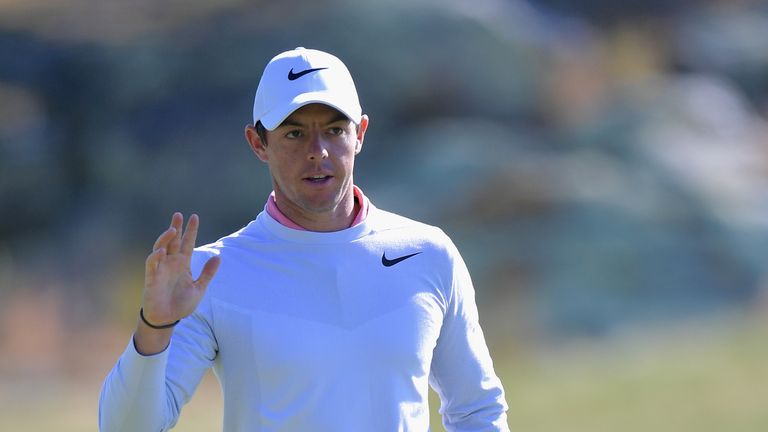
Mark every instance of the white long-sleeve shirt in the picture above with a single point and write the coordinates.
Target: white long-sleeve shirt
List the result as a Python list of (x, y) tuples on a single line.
[(311, 331)]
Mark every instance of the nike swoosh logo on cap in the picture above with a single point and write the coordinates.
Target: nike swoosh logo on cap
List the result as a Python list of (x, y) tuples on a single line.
[(391, 262), (294, 76)]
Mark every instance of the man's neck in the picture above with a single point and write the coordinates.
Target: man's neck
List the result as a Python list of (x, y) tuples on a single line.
[(336, 219)]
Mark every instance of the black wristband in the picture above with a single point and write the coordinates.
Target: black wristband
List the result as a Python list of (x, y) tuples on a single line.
[(156, 327)]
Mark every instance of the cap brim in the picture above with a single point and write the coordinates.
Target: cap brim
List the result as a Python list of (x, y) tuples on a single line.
[(274, 118)]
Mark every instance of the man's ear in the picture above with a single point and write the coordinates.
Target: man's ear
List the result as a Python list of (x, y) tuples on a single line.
[(254, 141), (361, 128)]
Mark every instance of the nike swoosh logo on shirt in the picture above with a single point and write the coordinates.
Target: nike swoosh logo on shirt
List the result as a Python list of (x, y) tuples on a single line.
[(294, 76), (390, 262)]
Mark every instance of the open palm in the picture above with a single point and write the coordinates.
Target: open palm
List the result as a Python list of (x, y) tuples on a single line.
[(170, 291)]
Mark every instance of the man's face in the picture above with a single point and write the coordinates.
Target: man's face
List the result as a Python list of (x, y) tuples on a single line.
[(311, 157)]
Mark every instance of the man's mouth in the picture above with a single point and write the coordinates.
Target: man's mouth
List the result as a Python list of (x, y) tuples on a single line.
[(319, 178)]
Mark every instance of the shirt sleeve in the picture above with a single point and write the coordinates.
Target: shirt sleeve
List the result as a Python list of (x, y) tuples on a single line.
[(471, 395), (146, 393)]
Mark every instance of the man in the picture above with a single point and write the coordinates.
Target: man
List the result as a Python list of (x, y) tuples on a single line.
[(325, 313)]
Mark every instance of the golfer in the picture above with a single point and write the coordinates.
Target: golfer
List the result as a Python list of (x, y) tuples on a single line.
[(324, 313)]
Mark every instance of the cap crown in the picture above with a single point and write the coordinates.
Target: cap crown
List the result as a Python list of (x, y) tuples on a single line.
[(300, 77)]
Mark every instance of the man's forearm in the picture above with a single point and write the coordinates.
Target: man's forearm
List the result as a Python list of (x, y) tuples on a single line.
[(133, 396)]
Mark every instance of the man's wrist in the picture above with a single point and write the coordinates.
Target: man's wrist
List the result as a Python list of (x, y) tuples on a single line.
[(148, 341), (155, 326)]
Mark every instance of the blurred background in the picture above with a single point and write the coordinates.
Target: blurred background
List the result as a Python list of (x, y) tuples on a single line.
[(602, 166)]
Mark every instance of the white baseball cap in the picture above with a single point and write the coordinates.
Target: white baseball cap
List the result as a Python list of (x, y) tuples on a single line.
[(303, 76)]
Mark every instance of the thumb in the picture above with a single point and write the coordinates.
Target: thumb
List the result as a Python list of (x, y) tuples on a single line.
[(209, 271)]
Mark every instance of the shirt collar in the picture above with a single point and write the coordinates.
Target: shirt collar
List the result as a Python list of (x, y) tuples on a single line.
[(277, 215)]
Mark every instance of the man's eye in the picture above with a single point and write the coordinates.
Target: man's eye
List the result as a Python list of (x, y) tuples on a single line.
[(336, 131), (293, 134)]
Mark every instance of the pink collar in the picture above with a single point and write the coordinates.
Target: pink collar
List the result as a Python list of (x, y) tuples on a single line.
[(277, 215)]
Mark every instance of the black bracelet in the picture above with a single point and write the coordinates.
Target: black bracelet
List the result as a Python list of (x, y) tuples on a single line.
[(156, 327)]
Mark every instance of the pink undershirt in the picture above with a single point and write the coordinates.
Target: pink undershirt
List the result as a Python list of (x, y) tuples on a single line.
[(277, 215)]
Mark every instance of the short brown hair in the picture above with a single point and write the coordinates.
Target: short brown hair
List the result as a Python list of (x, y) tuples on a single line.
[(261, 131)]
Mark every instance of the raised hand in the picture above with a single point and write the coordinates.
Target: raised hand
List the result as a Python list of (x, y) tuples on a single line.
[(170, 292)]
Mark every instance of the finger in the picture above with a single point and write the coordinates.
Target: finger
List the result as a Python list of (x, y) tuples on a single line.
[(153, 261), (177, 222), (209, 271), (164, 239), (190, 235)]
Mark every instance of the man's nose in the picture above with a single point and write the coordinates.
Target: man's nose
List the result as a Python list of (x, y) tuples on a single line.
[(318, 148)]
